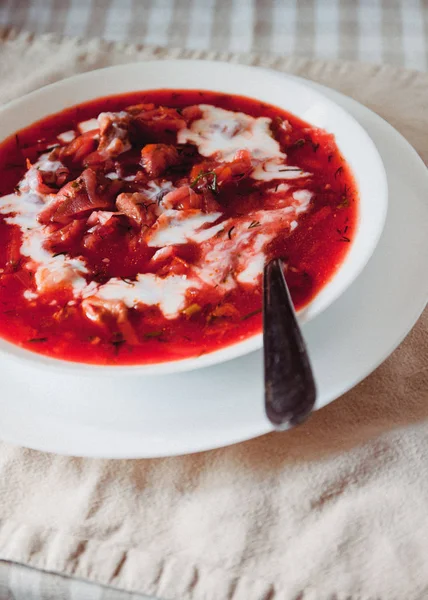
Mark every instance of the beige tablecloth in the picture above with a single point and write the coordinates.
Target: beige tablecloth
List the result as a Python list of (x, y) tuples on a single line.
[(334, 509), (391, 31)]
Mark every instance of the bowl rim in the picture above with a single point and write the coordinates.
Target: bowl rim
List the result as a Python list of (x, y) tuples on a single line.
[(255, 341)]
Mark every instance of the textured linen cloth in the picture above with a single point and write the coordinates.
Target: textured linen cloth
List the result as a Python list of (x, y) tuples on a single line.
[(334, 509), (388, 31)]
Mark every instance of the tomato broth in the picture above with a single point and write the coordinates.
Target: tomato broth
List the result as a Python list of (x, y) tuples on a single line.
[(141, 236)]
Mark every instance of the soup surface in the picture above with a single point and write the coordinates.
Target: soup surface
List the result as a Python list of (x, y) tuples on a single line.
[(135, 228)]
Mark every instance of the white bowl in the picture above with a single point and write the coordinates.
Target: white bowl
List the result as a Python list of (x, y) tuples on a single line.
[(268, 86)]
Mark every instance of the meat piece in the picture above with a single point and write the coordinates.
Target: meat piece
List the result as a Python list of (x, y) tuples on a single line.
[(110, 231), (183, 198), (77, 198), (236, 170), (55, 178), (163, 254), (114, 133), (38, 184), (175, 266), (128, 163), (159, 122), (225, 310), (156, 158), (191, 113), (136, 109), (50, 278), (99, 217), (210, 175), (209, 203), (171, 261), (138, 208), (75, 152), (46, 215), (96, 160), (282, 130), (62, 239), (106, 312)]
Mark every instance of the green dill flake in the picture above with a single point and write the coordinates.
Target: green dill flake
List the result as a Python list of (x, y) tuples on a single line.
[(212, 185), (299, 143), (153, 334), (251, 314), (344, 203)]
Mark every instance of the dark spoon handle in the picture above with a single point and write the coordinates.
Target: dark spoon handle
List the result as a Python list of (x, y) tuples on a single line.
[(289, 382)]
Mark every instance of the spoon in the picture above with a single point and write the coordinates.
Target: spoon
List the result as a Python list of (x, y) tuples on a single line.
[(289, 382)]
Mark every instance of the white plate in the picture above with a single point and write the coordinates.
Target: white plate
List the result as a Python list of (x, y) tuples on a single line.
[(288, 93), (220, 405)]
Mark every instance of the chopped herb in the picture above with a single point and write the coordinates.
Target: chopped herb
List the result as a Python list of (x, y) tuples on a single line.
[(339, 171), (315, 147), (290, 169), (226, 277), (344, 238), (346, 229), (117, 345), (253, 224), (38, 340), (160, 196), (75, 184), (212, 186), (59, 254), (251, 314), (153, 334), (298, 143), (128, 281), (145, 206), (344, 203), (191, 310), (339, 231), (329, 158), (117, 341), (17, 189), (229, 233)]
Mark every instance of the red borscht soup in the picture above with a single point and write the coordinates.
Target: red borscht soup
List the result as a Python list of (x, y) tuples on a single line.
[(135, 228)]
